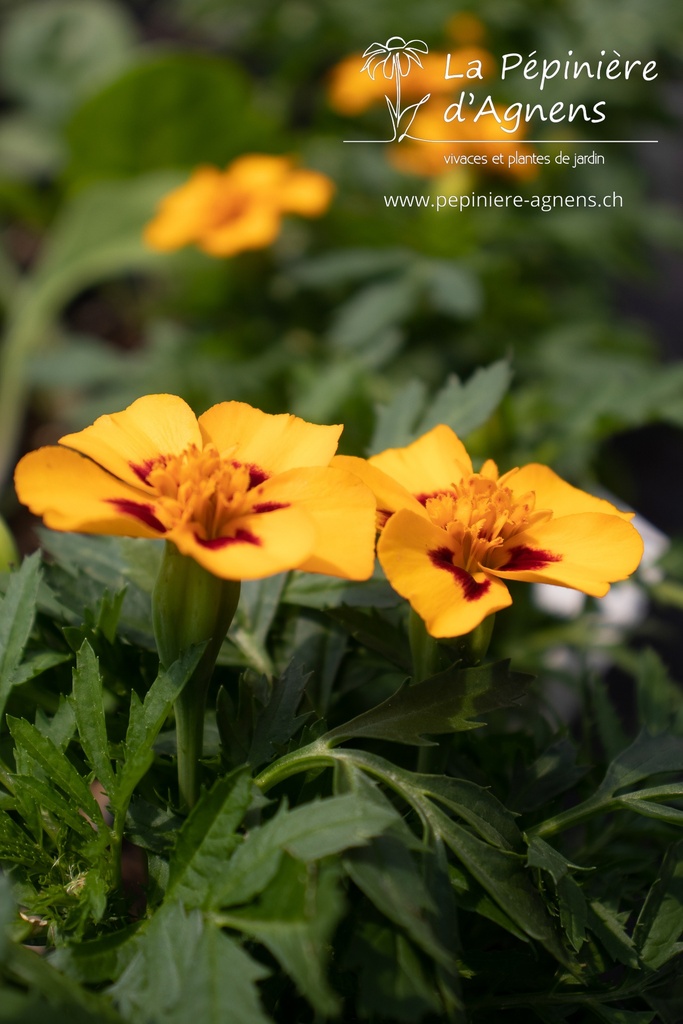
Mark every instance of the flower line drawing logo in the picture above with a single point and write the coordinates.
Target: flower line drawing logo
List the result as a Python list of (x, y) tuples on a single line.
[(395, 57)]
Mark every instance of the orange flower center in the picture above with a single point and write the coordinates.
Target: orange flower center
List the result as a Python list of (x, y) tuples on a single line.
[(481, 514), (203, 489)]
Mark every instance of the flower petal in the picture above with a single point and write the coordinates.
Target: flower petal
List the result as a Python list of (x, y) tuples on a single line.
[(390, 496), (126, 443), (273, 443), (307, 193), (587, 552), (254, 546), (254, 228), (432, 463), (555, 493), (72, 493), (343, 510), (185, 213), (416, 557)]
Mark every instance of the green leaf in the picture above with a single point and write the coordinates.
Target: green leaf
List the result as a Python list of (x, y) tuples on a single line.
[(167, 111), (307, 833), (386, 873), (184, 969), (279, 722), (465, 407), (395, 422), (207, 839), (659, 699), (145, 721), (647, 755), (659, 928), (295, 920), (445, 703), (49, 798), (55, 764), (375, 632), (608, 926), (502, 875), (477, 806), (17, 613), (393, 984), (16, 846), (88, 698), (454, 290), (364, 317)]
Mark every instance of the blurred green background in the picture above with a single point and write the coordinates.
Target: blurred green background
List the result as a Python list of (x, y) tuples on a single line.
[(539, 336)]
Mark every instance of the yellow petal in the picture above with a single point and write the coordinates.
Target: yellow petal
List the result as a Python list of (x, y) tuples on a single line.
[(254, 546), (271, 443), (432, 463), (552, 492), (416, 557), (307, 193), (389, 494), (256, 227), (586, 552), (72, 493), (127, 442), (185, 213), (259, 173), (343, 511)]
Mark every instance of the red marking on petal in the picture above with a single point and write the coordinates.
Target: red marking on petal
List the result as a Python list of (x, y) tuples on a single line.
[(240, 537), (137, 509), (269, 506), (525, 559), (424, 498), (383, 516), (442, 558), (143, 469), (256, 474)]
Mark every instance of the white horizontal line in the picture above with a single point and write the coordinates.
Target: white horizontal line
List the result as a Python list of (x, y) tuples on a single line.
[(519, 142)]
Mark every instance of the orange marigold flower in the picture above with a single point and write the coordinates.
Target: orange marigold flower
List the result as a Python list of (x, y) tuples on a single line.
[(227, 211), (451, 538), (244, 493)]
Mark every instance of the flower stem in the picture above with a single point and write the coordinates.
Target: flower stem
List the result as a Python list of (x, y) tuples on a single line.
[(191, 606)]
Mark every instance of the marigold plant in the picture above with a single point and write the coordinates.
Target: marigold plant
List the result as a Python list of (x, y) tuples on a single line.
[(228, 211), (451, 538)]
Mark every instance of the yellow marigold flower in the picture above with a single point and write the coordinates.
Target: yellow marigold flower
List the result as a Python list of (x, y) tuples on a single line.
[(451, 538), (351, 92), (244, 493), (227, 211)]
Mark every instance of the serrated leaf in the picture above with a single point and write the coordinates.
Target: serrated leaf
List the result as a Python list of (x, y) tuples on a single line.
[(295, 920), (51, 799), (309, 832), (208, 838), (465, 407), (183, 969), (88, 698), (477, 806), (278, 722), (145, 721), (55, 763), (659, 928), (386, 873), (373, 631), (447, 702), (502, 875), (17, 613), (607, 925)]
